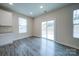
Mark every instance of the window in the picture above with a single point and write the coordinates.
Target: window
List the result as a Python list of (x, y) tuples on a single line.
[(76, 23), (22, 25)]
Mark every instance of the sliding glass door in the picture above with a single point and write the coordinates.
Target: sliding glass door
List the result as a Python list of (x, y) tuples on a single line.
[(48, 29), (44, 29)]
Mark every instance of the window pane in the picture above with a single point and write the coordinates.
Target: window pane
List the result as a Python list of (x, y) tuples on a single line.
[(22, 29), (76, 14), (76, 21), (76, 31), (22, 25), (22, 21)]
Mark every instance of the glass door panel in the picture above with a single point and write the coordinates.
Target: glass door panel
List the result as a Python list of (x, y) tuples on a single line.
[(50, 30), (44, 29)]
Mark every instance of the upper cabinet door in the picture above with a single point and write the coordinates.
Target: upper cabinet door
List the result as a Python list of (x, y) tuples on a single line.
[(5, 18)]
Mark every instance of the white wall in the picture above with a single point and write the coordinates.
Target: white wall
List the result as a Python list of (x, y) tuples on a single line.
[(64, 25)]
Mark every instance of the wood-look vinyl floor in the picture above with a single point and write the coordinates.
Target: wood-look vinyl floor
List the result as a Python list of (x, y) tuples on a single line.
[(34, 46)]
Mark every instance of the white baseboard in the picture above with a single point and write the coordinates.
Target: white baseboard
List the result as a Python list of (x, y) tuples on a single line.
[(67, 45), (22, 37)]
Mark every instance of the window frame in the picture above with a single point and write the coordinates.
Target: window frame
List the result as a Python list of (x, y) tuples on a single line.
[(75, 21), (24, 25)]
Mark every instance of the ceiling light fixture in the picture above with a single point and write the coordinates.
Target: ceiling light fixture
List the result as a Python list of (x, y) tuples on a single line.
[(41, 7)]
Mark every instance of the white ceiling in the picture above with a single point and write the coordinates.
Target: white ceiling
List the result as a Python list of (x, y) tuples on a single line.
[(26, 8)]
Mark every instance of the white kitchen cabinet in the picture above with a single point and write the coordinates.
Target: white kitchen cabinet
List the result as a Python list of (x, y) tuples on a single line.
[(7, 38), (5, 18)]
